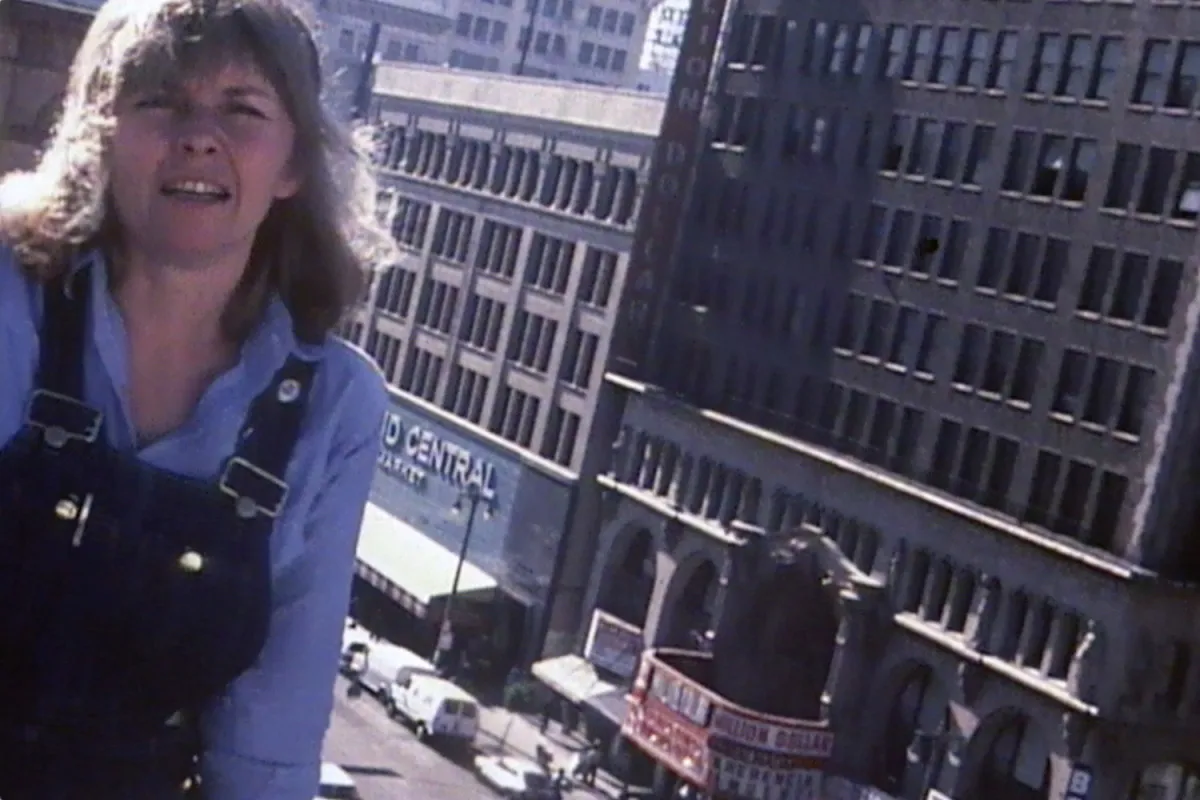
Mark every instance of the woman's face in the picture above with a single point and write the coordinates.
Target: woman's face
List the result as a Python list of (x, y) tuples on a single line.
[(196, 167)]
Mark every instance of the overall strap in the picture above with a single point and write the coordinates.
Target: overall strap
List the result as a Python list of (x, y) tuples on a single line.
[(254, 475), (56, 406)]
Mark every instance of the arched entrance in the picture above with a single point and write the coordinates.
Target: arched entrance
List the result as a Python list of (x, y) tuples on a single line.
[(630, 581), (776, 658), (1016, 762), (692, 609), (918, 712), (1166, 781)]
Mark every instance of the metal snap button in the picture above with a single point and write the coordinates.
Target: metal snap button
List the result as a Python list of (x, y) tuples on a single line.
[(55, 436), (289, 390), (191, 561), (246, 508), (66, 509)]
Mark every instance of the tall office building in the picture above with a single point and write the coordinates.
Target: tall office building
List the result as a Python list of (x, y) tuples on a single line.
[(513, 201), (935, 303)]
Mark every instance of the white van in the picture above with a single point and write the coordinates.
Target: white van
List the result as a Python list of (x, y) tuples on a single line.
[(435, 709), (387, 662)]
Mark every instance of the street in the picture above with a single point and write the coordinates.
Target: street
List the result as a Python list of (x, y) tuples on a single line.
[(387, 762)]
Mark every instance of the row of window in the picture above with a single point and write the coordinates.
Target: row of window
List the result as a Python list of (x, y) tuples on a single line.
[(481, 29), (570, 185), (530, 342), (549, 261), (514, 415)]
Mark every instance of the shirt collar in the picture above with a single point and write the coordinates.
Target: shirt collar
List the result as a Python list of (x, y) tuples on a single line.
[(268, 345)]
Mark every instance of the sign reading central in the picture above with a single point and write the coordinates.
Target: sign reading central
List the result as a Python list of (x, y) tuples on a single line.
[(413, 453)]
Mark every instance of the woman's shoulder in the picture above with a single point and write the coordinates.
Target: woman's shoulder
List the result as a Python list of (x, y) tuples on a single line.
[(358, 383)]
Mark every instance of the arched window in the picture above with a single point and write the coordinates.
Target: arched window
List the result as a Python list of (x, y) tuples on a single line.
[(1016, 766)]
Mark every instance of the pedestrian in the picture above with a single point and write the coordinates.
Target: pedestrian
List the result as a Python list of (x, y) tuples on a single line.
[(547, 711), (591, 764), (186, 448)]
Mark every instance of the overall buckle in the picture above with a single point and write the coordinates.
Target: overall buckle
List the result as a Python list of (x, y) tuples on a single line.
[(62, 418), (254, 490)]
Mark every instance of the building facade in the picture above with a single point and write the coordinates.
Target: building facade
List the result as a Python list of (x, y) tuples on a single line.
[(912, 435), (38, 39), (594, 43), (513, 201)]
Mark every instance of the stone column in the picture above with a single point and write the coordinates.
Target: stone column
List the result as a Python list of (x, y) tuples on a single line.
[(981, 619), (681, 479), (582, 194)]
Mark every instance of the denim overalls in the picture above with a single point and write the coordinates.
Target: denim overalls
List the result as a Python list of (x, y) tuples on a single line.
[(130, 597)]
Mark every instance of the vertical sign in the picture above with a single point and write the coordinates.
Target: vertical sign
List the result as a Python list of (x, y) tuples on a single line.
[(1079, 785), (658, 225)]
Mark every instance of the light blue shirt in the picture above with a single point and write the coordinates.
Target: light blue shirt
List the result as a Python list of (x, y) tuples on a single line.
[(263, 738)]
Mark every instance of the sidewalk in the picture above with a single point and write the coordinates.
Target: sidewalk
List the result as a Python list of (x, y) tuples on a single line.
[(503, 731)]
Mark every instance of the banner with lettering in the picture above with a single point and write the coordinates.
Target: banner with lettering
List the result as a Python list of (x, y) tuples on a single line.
[(766, 758)]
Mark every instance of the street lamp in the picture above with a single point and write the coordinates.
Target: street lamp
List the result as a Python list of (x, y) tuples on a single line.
[(470, 497)]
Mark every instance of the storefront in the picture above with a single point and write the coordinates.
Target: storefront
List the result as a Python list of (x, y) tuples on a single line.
[(414, 528)]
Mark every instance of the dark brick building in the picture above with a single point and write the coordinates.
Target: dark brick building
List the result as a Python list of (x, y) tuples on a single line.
[(936, 299)]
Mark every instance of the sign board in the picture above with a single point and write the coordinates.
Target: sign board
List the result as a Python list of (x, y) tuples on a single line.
[(765, 757), (613, 644), (416, 453), (676, 152)]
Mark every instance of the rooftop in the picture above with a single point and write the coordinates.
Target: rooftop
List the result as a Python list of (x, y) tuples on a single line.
[(574, 104)]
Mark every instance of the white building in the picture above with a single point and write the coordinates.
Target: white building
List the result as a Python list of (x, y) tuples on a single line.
[(660, 50), (596, 42)]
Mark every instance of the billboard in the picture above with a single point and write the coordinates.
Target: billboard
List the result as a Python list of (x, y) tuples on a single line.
[(613, 644), (659, 223)]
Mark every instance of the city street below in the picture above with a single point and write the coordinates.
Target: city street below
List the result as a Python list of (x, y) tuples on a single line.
[(388, 763)]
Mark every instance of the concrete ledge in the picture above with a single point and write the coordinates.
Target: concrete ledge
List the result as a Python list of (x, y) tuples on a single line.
[(572, 104)]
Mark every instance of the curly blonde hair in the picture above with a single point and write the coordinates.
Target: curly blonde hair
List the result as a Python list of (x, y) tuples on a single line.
[(314, 248)]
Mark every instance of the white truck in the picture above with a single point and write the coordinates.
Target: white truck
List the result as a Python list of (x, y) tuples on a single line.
[(437, 710)]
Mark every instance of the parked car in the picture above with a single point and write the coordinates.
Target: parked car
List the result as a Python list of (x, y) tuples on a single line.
[(515, 778), (435, 709), (336, 784)]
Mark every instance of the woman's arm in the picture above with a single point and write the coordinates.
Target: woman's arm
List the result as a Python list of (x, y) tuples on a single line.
[(263, 737)]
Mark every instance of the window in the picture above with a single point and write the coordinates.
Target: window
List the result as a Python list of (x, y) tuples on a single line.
[(1020, 160), (950, 153), (579, 358), (924, 146), (466, 391), (919, 54), (1004, 56), (898, 135), (1047, 64), (895, 51), (483, 322), (1150, 88), (977, 154), (975, 66), (395, 291), (549, 264), (1129, 288), (452, 235), (1185, 78), (436, 306), (946, 57), (1108, 63), (499, 245), (531, 341)]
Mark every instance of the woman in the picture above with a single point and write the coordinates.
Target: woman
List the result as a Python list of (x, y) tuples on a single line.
[(186, 448)]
